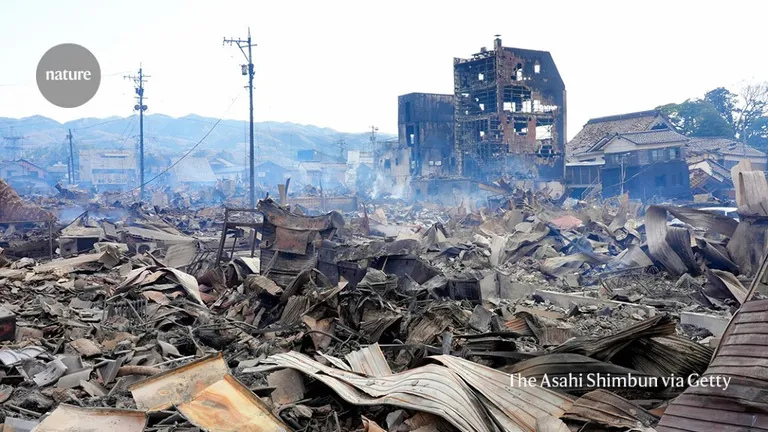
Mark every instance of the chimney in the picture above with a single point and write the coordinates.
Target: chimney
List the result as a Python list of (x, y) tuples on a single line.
[(497, 43)]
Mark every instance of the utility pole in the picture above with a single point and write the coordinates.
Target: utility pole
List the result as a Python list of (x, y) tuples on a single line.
[(247, 69), (71, 164), (139, 81), (13, 147), (373, 138), (342, 143)]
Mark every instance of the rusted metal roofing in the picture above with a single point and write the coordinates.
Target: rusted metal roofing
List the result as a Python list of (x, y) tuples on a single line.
[(608, 409), (207, 395), (178, 385), (433, 389), (228, 406)]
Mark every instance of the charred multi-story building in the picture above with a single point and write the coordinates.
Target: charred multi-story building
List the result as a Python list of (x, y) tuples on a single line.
[(509, 114), (425, 130)]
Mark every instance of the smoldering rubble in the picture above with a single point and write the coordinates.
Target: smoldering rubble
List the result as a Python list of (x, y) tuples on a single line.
[(389, 317)]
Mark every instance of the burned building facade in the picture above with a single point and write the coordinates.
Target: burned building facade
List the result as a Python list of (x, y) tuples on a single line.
[(510, 109), (425, 128)]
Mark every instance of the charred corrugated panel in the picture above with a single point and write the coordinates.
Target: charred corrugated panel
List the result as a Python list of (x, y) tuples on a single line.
[(609, 409), (741, 359), (560, 367), (510, 114), (278, 216), (290, 242), (666, 356), (605, 348)]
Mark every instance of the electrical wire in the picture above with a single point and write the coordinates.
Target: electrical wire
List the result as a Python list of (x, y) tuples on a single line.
[(98, 124), (188, 152)]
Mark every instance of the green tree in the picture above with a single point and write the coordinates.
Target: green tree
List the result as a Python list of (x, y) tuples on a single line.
[(742, 116), (724, 102), (697, 117)]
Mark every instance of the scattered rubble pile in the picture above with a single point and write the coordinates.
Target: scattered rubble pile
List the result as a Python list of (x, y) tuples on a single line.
[(394, 318)]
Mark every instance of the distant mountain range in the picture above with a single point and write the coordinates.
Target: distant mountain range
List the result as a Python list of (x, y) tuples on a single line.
[(44, 140)]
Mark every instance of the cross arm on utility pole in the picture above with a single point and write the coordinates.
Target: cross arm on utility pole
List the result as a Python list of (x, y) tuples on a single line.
[(242, 44)]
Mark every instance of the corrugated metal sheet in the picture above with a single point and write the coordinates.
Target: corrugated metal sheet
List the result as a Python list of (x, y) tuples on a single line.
[(515, 408), (433, 389), (741, 356), (608, 409), (671, 245), (604, 348), (551, 424), (369, 361), (559, 366), (665, 356), (518, 325)]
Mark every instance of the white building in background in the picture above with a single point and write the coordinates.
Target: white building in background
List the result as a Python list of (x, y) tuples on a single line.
[(108, 168)]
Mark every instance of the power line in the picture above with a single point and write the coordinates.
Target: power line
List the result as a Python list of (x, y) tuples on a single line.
[(141, 187), (99, 124), (123, 137)]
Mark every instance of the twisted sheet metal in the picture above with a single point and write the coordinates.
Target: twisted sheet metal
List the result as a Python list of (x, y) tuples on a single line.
[(513, 406), (433, 389)]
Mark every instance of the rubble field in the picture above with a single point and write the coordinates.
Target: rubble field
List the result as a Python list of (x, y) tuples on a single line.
[(534, 314)]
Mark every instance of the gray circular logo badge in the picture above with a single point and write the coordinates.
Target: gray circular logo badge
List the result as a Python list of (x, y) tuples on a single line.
[(68, 75)]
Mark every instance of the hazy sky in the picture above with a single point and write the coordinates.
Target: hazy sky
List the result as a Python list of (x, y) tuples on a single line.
[(342, 64)]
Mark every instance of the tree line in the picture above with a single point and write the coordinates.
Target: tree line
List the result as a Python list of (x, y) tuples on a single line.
[(722, 113)]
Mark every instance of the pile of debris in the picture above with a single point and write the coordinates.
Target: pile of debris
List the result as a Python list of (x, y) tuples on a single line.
[(524, 317)]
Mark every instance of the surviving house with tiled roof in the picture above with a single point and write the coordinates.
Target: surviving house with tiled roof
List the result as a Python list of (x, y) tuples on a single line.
[(598, 128), (590, 158), (726, 152), (647, 165), (710, 160)]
